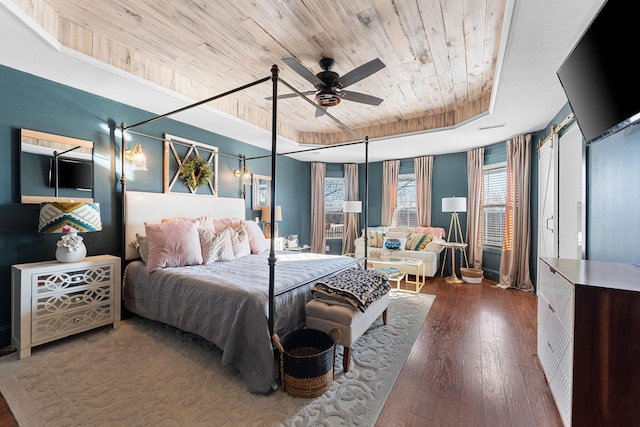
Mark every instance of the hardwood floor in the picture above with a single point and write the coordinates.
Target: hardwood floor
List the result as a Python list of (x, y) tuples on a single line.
[(474, 363)]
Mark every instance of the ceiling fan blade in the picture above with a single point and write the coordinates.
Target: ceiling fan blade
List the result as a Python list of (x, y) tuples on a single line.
[(360, 97), (302, 70), (361, 72), (320, 112), (292, 95)]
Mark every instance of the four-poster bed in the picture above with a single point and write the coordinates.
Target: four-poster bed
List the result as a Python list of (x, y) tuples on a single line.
[(225, 302)]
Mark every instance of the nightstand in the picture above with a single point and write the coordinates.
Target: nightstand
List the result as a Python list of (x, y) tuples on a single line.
[(51, 300)]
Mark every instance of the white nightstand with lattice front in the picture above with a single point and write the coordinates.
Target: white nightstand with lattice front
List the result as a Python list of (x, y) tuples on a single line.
[(51, 300)]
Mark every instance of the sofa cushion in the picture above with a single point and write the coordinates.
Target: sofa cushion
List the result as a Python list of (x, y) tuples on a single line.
[(399, 231), (417, 241)]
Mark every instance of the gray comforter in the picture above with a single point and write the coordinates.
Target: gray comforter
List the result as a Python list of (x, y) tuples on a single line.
[(227, 303)]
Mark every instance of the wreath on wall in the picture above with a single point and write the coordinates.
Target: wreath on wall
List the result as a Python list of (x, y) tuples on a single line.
[(195, 172)]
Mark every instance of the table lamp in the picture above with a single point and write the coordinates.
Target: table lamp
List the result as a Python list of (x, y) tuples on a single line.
[(266, 218), (70, 219)]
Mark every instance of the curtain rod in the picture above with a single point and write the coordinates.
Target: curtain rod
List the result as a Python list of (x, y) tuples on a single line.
[(186, 144), (555, 129)]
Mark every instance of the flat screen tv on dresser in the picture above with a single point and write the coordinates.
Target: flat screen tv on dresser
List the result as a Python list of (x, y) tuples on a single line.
[(599, 76)]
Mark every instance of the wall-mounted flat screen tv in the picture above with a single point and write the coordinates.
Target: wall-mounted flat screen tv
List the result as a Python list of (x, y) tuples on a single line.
[(600, 76), (72, 174)]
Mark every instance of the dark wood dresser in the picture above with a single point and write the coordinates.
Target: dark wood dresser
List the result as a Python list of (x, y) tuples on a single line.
[(589, 340)]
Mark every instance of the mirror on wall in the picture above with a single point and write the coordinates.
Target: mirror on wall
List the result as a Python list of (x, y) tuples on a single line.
[(55, 168), (261, 188)]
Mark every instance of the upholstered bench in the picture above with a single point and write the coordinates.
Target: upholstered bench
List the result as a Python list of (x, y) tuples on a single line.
[(353, 323)]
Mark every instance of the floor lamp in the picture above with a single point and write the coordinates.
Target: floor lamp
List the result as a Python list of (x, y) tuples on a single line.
[(455, 205)]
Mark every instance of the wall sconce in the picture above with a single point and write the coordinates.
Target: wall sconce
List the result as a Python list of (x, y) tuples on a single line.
[(137, 158), (246, 176)]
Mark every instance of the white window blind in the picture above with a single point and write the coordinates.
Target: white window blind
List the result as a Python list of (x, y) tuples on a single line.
[(494, 199), (406, 209), (333, 198)]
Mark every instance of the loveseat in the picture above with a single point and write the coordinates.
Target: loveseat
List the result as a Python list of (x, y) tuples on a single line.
[(423, 243)]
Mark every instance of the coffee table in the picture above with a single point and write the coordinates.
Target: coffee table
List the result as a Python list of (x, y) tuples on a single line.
[(415, 266)]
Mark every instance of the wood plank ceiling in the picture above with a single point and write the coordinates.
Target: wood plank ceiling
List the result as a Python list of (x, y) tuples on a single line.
[(440, 55)]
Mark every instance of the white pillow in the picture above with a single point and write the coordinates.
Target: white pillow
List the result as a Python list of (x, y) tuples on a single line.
[(216, 247), (240, 242), (394, 243)]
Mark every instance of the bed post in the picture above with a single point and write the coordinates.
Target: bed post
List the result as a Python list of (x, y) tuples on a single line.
[(366, 199), (123, 186), (274, 135)]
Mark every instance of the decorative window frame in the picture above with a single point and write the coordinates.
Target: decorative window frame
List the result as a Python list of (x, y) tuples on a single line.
[(173, 158)]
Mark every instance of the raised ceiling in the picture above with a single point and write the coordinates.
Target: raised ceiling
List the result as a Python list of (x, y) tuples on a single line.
[(441, 56)]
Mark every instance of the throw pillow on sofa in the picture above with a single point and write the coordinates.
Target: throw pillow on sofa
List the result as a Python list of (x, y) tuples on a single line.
[(418, 241), (375, 239), (395, 243)]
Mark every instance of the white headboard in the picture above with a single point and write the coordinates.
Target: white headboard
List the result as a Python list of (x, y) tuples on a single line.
[(152, 207)]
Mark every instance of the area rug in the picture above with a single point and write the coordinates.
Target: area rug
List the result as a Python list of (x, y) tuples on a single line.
[(146, 373)]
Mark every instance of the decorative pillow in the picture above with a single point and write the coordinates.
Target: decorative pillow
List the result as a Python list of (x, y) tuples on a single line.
[(399, 231), (222, 223), (396, 234), (216, 247), (395, 243), (375, 239), (143, 247), (200, 222), (240, 242), (172, 244), (417, 241), (257, 242), (437, 232)]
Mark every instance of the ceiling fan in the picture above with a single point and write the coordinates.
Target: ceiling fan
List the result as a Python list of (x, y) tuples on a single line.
[(329, 85)]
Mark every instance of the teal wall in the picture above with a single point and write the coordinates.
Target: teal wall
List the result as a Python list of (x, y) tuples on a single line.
[(33, 103)]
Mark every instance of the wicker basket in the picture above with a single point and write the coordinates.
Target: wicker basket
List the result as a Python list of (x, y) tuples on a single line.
[(471, 275), (307, 360)]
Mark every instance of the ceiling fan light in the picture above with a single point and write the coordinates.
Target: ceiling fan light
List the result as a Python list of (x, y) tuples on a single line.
[(327, 99)]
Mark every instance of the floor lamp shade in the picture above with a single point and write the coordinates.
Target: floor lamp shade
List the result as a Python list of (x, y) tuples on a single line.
[(454, 204), (352, 206), (69, 219)]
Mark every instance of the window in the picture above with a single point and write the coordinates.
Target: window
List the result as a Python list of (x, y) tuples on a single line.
[(333, 198), (494, 200), (406, 210)]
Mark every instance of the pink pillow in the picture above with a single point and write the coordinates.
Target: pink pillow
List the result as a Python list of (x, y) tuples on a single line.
[(222, 223), (172, 244), (438, 232), (204, 222), (257, 242)]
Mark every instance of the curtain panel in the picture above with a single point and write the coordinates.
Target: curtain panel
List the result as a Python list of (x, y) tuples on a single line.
[(475, 165), (514, 263), (423, 167), (318, 236), (351, 223), (390, 171)]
